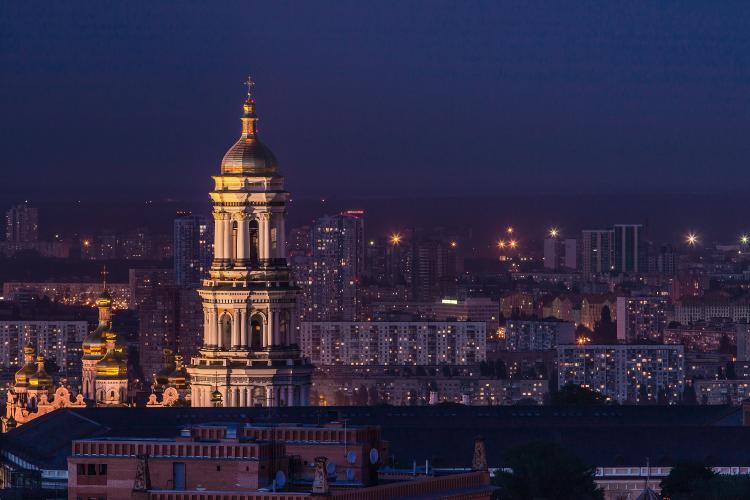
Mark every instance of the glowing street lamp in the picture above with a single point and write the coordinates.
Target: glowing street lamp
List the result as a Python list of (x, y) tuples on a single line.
[(744, 239), (501, 244), (395, 239), (509, 230), (691, 239), (513, 243), (454, 244), (583, 340)]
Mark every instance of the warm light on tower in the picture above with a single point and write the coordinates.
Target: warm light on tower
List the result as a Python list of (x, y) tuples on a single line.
[(513, 243), (509, 230), (553, 232), (691, 239), (395, 239), (501, 244), (744, 239)]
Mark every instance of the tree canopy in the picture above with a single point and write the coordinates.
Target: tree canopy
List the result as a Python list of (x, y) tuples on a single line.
[(696, 481), (544, 470), (575, 395)]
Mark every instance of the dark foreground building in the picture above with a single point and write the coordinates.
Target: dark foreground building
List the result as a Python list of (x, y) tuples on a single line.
[(46, 455)]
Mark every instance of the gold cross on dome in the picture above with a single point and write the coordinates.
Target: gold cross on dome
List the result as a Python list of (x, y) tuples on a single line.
[(250, 84)]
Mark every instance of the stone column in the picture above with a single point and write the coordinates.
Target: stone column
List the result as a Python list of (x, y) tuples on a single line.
[(290, 395), (218, 236), (237, 318), (281, 235), (269, 396), (243, 241), (243, 330), (264, 236), (270, 327), (212, 328), (228, 243)]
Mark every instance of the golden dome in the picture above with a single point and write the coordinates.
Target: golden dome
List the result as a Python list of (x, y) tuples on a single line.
[(179, 377), (249, 156), (113, 365), (95, 344), (28, 370), (41, 379)]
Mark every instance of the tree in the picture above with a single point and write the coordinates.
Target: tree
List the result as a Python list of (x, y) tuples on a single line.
[(575, 395), (605, 330), (685, 479), (501, 371), (545, 470), (688, 394)]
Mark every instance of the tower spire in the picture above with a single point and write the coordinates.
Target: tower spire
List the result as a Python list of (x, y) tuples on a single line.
[(104, 274), (249, 118)]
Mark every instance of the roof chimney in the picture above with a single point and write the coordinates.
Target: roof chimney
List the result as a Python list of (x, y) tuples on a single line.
[(320, 482)]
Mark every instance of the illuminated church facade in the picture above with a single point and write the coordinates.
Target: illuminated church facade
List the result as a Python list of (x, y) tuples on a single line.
[(249, 354)]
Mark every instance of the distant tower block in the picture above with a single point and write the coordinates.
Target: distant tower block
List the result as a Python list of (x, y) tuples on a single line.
[(249, 355)]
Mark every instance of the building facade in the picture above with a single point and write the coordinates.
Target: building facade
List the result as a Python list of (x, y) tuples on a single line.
[(638, 374), (538, 335), (641, 319), (249, 354), (394, 343)]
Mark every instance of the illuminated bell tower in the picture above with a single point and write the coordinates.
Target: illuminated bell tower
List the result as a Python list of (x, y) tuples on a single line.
[(249, 353)]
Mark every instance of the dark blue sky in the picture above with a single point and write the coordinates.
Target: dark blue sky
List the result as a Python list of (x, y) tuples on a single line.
[(141, 99)]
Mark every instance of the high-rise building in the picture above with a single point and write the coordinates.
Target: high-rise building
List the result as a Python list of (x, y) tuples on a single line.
[(560, 253), (642, 374), (641, 319), (597, 252), (432, 268), (551, 253), (337, 267), (192, 249), (22, 224), (249, 354), (630, 249)]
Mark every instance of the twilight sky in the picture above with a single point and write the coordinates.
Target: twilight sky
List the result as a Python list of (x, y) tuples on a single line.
[(387, 98)]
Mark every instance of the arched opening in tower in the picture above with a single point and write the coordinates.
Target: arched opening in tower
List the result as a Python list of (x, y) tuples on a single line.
[(226, 331), (253, 228), (256, 333)]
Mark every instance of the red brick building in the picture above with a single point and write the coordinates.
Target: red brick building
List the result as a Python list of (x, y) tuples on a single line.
[(243, 461)]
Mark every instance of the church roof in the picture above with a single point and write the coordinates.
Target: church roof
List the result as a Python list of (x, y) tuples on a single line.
[(249, 156)]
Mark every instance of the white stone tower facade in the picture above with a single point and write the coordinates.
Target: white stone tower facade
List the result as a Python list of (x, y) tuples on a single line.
[(249, 355)]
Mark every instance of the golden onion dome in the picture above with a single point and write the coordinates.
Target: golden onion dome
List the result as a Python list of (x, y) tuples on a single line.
[(249, 156), (28, 370), (179, 376), (95, 344), (41, 379), (113, 365)]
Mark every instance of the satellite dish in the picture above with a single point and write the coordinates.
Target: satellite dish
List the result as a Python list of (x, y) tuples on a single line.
[(351, 457), (331, 468), (374, 456), (280, 479), (350, 474)]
